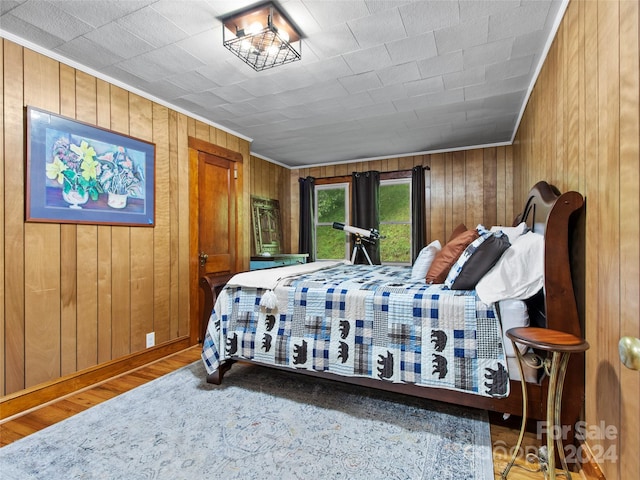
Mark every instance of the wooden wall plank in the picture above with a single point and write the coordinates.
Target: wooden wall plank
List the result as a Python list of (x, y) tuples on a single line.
[(162, 229), (104, 298), (183, 225), (87, 299), (629, 230), (609, 211), (174, 208), (42, 241), (13, 115), (2, 229), (120, 248), (590, 122), (141, 247), (87, 251), (68, 248)]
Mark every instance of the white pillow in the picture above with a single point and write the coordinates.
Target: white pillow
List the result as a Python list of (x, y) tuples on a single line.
[(511, 232), (424, 260), (513, 313), (519, 274)]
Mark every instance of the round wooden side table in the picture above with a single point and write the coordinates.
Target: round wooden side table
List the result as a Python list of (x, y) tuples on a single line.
[(560, 346)]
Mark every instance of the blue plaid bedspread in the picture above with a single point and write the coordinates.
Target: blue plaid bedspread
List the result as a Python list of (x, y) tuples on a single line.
[(366, 321)]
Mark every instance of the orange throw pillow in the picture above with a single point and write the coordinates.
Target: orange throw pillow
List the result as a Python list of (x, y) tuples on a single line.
[(449, 254), (457, 231)]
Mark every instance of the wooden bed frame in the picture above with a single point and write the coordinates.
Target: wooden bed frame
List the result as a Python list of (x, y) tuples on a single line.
[(548, 212)]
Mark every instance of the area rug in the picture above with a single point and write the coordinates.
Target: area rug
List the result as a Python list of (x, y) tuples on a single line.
[(260, 424)]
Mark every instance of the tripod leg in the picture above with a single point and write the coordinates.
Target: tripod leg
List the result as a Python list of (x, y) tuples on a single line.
[(366, 254)]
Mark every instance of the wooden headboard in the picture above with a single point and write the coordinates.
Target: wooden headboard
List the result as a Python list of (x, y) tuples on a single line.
[(548, 212)]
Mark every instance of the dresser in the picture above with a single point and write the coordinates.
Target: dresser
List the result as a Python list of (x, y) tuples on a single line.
[(277, 260)]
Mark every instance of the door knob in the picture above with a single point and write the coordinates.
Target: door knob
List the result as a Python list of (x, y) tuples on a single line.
[(203, 258), (629, 350)]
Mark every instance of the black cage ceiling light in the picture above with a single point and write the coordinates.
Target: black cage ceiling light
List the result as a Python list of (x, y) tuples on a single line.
[(262, 37)]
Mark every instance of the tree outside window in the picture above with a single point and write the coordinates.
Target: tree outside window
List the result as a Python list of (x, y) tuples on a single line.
[(395, 221), (331, 206)]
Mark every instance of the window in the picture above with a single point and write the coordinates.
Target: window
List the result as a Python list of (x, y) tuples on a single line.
[(332, 205), (395, 220)]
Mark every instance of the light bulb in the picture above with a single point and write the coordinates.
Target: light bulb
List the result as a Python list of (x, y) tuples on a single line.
[(273, 50), (254, 28), (245, 45), (283, 35)]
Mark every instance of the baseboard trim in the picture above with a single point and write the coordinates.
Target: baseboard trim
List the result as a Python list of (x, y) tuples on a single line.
[(590, 467), (37, 395)]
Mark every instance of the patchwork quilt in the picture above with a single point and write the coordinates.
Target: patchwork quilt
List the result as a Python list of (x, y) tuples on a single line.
[(366, 321)]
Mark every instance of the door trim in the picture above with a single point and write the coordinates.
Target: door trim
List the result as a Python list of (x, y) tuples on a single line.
[(195, 147)]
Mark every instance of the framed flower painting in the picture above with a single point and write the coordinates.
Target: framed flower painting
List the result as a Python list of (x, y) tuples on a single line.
[(79, 173)]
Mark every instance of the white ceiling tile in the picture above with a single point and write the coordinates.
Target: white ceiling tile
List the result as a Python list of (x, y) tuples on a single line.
[(167, 90), (519, 21), (388, 93), (528, 44), (329, 68), (413, 48), (100, 12), (226, 72), (232, 93), (23, 29), (377, 29), (239, 109), (420, 17), (510, 85), (81, 48), (8, 5), (361, 82), (368, 60), (192, 82), (440, 65), (49, 18), (376, 6), (424, 86), (474, 9), (488, 53), (463, 35), (208, 99), (161, 63), (465, 78), (515, 67), (406, 72), (329, 13), (193, 16), (155, 28), (332, 41), (117, 40)]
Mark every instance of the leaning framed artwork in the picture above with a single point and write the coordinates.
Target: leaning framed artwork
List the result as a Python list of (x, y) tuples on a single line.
[(79, 173)]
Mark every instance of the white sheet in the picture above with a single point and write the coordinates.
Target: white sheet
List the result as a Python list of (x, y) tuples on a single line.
[(268, 278)]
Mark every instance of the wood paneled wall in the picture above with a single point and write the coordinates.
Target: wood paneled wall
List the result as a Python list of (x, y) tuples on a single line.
[(76, 296), (470, 187), (581, 131)]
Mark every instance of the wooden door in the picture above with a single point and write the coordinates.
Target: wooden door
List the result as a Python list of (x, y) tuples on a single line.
[(214, 232), (216, 215)]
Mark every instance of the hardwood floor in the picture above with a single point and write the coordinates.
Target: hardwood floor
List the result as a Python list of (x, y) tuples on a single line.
[(12, 429)]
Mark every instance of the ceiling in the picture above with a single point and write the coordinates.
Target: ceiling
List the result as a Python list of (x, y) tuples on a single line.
[(378, 78)]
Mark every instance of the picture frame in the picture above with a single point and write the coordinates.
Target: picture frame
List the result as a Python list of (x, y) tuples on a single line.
[(80, 173)]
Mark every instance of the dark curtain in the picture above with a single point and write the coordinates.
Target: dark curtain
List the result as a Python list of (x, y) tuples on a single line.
[(365, 210), (307, 238), (418, 213)]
